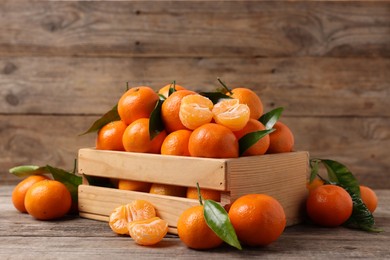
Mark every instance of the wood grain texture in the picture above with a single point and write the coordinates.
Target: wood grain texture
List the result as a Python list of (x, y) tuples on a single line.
[(195, 28), (75, 238), (304, 86)]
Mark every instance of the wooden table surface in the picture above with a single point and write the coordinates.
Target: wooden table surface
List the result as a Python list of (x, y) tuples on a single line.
[(22, 237)]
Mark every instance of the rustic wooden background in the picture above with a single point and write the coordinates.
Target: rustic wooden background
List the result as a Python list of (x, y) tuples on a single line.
[(63, 64)]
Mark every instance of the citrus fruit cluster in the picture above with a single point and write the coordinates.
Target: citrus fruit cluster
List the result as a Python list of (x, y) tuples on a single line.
[(138, 219), (42, 198), (178, 121)]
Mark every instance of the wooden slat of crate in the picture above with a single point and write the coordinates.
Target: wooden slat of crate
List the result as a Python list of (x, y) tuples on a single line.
[(185, 171), (98, 202)]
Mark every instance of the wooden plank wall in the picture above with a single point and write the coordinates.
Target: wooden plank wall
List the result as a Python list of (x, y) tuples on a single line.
[(63, 64)]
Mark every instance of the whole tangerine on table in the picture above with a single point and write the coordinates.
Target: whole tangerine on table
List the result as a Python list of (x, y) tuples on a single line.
[(329, 205), (48, 199), (369, 198), (20, 190), (193, 230), (258, 219), (137, 102), (110, 136), (213, 141)]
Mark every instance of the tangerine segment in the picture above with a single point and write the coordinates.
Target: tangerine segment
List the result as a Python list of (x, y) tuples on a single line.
[(232, 114), (136, 210), (137, 103), (195, 110), (149, 231)]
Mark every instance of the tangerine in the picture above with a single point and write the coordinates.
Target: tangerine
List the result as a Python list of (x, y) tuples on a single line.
[(148, 232), (329, 205), (314, 184), (137, 102), (20, 190), (195, 110), (258, 219), (230, 113), (110, 136), (164, 91), (134, 185), (250, 98), (135, 210), (169, 190), (136, 138), (193, 230), (213, 141), (369, 198), (176, 143), (281, 140), (170, 110), (261, 146), (48, 199), (207, 194)]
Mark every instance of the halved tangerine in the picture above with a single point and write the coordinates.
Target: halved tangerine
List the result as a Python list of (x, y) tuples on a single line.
[(230, 113), (149, 231), (195, 110)]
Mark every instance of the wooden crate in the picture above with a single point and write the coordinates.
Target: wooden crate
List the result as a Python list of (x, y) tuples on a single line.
[(282, 176)]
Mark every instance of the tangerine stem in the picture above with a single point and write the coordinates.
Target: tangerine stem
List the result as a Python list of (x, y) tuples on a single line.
[(224, 86), (199, 194)]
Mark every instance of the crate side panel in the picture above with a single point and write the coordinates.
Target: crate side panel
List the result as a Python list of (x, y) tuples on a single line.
[(282, 176), (98, 203), (183, 171)]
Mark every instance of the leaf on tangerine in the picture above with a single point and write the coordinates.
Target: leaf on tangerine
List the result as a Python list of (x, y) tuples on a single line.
[(111, 115), (156, 124), (214, 96), (270, 118), (250, 139)]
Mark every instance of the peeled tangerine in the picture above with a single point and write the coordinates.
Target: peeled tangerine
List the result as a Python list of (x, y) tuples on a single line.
[(195, 110), (136, 210), (149, 231), (232, 114)]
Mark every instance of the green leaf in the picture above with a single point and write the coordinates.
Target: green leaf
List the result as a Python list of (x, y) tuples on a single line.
[(28, 170), (218, 220), (269, 119), (250, 139), (108, 117), (313, 169), (172, 88), (70, 180), (214, 96), (156, 124)]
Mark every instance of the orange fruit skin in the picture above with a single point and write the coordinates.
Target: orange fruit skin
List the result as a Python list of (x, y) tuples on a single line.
[(165, 90), (134, 185), (369, 198), (281, 140), (251, 99), (258, 219), (314, 184), (176, 143), (168, 190), (192, 193), (136, 138), (48, 199), (193, 230), (170, 110), (20, 190), (149, 231), (110, 136), (213, 141), (329, 205), (137, 102), (262, 145)]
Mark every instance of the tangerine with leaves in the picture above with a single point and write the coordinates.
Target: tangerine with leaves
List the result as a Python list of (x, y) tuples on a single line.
[(170, 110), (258, 219), (195, 110), (261, 146), (369, 198), (110, 136), (329, 205), (281, 140), (213, 141), (136, 138), (176, 143), (164, 91), (193, 230), (137, 102), (20, 190), (149, 231), (250, 98), (207, 194), (230, 113), (133, 185), (48, 199), (124, 214)]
